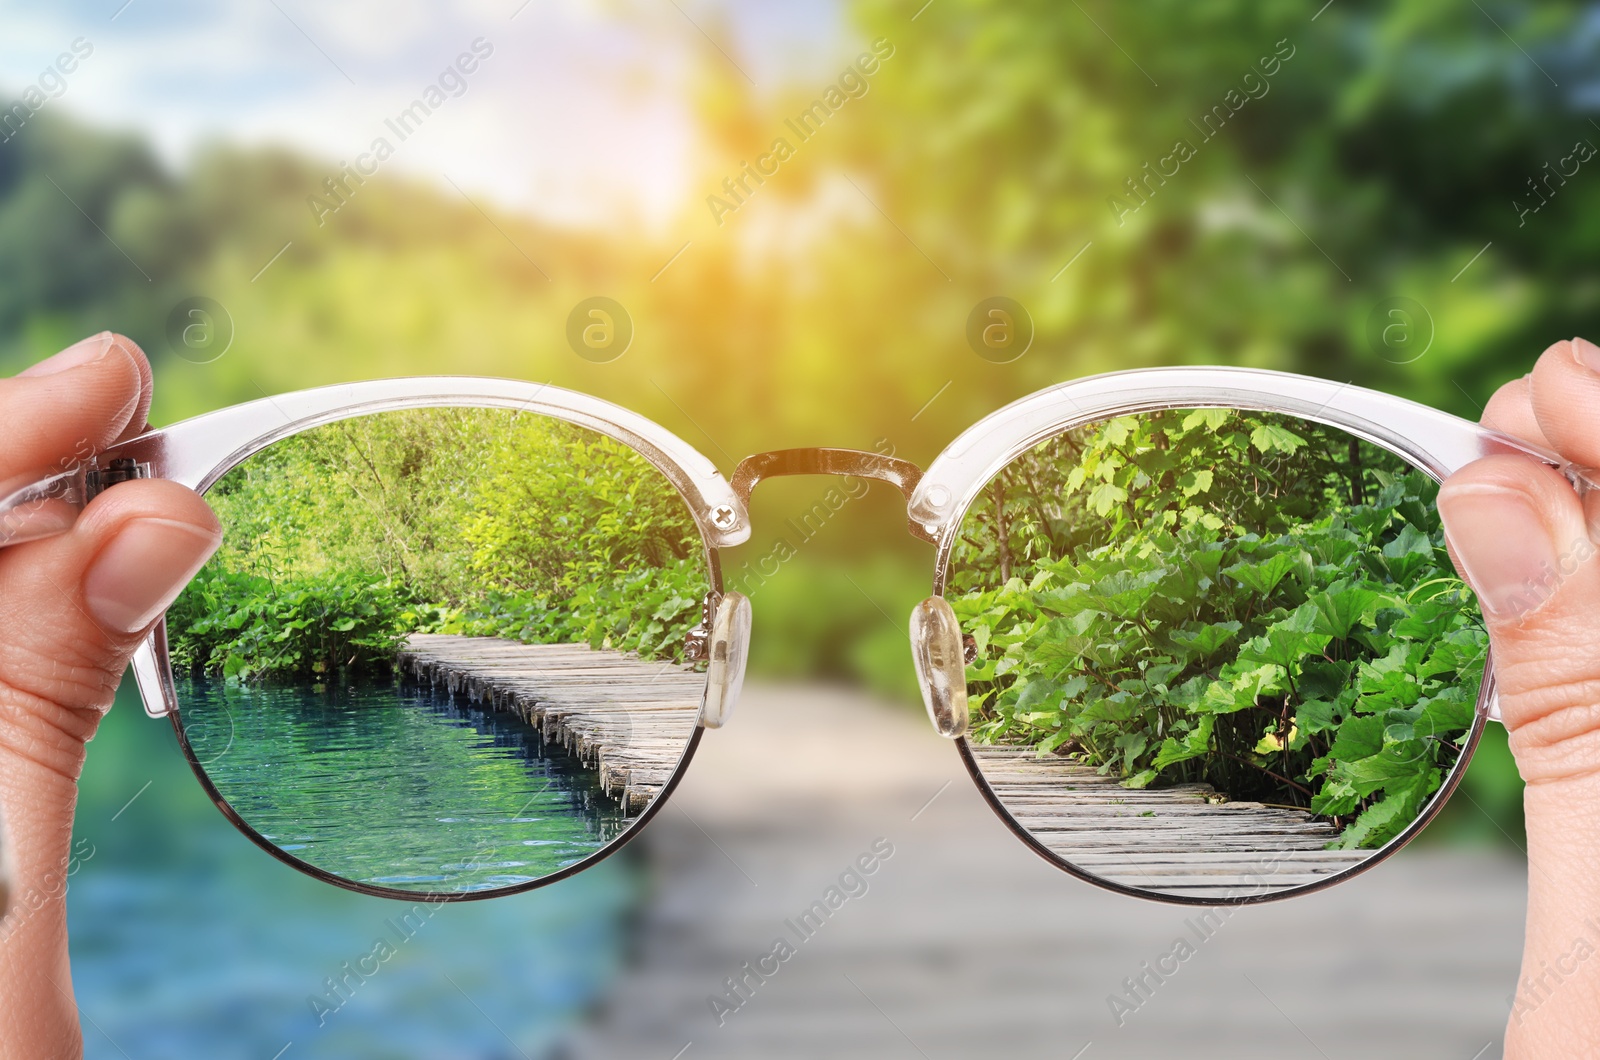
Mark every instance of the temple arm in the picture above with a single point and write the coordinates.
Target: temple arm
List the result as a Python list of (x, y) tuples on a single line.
[(45, 507), (41, 508)]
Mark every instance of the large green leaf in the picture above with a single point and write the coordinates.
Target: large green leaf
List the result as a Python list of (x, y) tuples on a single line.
[(1193, 744), (1359, 736), (1286, 642), (1343, 606), (1408, 553), (1210, 419), (1387, 817), (1202, 642), (1270, 438), (1263, 577)]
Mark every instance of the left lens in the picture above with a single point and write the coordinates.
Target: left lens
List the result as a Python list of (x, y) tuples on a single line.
[(1215, 655), (442, 651)]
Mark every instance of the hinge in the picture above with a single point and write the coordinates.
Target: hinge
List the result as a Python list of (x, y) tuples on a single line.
[(100, 479), (697, 644)]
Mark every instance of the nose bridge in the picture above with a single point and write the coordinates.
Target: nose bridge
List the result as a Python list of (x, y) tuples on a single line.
[(902, 474)]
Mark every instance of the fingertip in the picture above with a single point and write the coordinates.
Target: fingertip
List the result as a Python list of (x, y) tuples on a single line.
[(84, 399), (1585, 353), (87, 351), (149, 539), (105, 351), (1565, 397), (1510, 521), (1537, 484), (73, 606), (142, 569), (147, 499), (138, 421), (1510, 411)]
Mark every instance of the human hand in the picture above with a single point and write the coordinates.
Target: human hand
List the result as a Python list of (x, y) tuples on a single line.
[(72, 610), (1521, 535)]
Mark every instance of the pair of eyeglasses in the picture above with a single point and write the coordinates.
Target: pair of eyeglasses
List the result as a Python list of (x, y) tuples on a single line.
[(1194, 632)]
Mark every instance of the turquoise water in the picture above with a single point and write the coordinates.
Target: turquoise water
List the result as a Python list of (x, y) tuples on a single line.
[(394, 785), (189, 941)]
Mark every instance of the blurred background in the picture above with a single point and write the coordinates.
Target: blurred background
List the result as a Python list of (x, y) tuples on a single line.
[(1257, 182)]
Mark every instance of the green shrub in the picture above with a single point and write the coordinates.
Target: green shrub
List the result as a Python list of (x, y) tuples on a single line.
[(647, 610), (249, 626)]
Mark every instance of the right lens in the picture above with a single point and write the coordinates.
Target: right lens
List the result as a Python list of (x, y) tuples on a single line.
[(442, 650), (1214, 654)]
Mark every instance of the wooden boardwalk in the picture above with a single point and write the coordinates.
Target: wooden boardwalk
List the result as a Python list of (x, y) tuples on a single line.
[(627, 718), (1178, 840), (969, 945)]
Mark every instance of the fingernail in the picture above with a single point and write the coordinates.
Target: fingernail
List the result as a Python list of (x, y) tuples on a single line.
[(1587, 354), (1503, 546), (79, 353), (143, 569)]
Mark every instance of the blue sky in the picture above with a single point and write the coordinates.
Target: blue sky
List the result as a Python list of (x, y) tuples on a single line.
[(580, 115)]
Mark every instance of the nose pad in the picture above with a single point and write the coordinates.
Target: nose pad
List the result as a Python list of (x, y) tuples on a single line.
[(729, 650), (940, 659)]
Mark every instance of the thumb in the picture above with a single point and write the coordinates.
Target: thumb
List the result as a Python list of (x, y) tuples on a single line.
[(1518, 533), (72, 610)]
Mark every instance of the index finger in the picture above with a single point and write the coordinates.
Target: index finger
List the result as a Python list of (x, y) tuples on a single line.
[(1566, 400), (65, 409), (1510, 411)]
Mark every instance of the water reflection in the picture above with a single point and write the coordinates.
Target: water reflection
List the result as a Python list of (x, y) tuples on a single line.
[(397, 786)]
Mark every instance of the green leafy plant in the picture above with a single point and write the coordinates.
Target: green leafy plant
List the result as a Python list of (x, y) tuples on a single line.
[(250, 626), (1258, 603), (644, 611)]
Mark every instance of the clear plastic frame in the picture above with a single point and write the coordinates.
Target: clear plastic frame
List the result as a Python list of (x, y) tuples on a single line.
[(199, 452)]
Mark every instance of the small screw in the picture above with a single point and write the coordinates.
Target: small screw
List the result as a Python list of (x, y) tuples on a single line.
[(724, 518)]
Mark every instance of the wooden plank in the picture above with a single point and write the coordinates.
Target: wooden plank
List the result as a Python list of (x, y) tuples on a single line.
[(627, 718), (1185, 839)]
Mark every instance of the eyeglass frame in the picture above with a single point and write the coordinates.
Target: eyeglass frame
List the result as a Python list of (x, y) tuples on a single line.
[(937, 501)]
